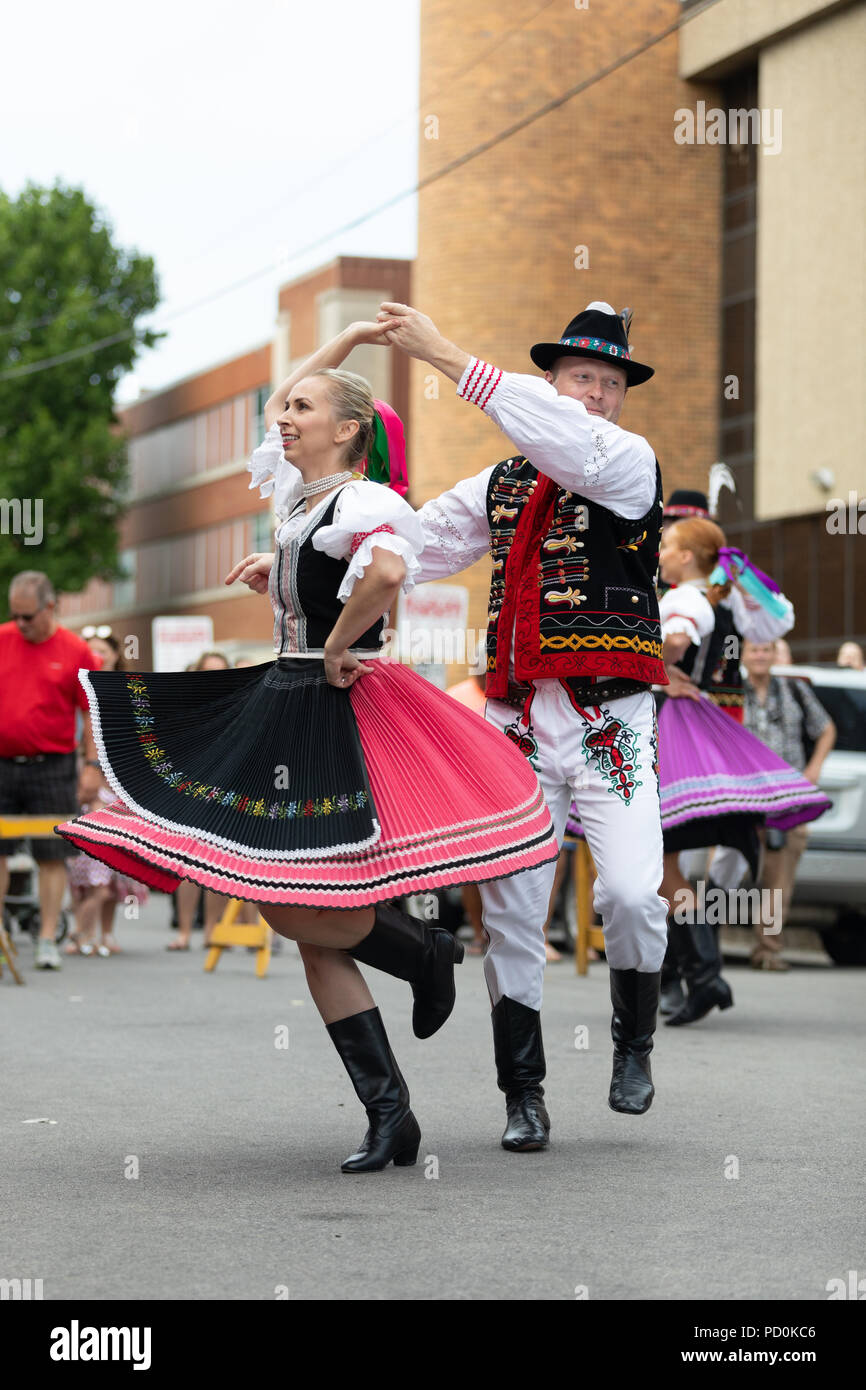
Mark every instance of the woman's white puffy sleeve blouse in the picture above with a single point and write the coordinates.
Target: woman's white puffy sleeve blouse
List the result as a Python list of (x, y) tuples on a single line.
[(367, 515), (686, 609)]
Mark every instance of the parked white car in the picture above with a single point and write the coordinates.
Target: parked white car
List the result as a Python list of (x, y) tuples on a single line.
[(832, 871)]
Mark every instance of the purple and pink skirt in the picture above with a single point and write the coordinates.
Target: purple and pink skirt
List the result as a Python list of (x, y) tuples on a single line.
[(269, 784)]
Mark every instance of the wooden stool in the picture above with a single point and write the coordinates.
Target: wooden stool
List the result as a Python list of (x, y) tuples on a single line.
[(587, 935), (229, 932), (8, 952)]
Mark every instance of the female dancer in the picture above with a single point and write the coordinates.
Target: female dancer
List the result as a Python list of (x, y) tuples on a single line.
[(718, 782), (326, 783)]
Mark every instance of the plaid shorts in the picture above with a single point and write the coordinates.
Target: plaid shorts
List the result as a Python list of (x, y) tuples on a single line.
[(39, 788)]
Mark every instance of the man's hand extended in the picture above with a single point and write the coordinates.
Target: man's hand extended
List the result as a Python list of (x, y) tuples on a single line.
[(417, 335)]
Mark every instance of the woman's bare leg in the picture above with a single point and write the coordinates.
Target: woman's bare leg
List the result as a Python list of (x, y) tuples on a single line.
[(87, 913), (319, 926), (106, 921), (187, 901), (338, 988), (215, 905), (678, 891)]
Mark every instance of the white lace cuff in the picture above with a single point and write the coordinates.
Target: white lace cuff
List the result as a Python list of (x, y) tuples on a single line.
[(363, 556), (678, 622)]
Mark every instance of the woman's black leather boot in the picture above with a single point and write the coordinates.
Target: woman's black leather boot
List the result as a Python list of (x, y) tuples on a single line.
[(697, 953), (635, 998), (425, 956), (672, 997), (366, 1054), (520, 1070)]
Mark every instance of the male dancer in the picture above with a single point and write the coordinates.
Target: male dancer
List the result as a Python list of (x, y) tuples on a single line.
[(573, 646)]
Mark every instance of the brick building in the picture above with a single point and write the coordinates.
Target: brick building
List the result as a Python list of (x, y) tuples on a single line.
[(728, 267), (191, 513)]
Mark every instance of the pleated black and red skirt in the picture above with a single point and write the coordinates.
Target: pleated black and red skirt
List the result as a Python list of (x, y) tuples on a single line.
[(269, 784)]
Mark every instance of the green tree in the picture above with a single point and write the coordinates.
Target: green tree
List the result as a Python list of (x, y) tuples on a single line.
[(64, 287)]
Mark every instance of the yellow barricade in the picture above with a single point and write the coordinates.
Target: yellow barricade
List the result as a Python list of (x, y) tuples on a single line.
[(37, 826), (229, 932)]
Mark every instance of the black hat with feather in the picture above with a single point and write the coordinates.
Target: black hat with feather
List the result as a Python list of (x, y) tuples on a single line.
[(600, 332)]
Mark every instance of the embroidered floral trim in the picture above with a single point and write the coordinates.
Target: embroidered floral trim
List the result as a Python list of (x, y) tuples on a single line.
[(238, 801), (598, 462), (597, 345), (450, 538), (591, 642), (361, 536), (522, 735), (613, 748)]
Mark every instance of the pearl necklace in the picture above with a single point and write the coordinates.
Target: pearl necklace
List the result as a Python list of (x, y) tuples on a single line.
[(324, 484)]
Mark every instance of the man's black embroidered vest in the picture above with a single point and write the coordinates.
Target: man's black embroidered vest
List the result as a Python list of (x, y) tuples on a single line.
[(304, 584), (589, 608)]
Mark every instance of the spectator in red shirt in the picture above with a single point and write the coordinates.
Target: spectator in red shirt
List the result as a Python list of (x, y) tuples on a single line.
[(39, 695)]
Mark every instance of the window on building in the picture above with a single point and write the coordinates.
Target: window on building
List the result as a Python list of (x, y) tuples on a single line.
[(263, 531), (125, 589), (258, 429), (739, 239)]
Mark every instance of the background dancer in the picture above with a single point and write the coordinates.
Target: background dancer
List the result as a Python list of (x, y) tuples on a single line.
[(287, 783), (573, 647), (748, 618), (718, 782)]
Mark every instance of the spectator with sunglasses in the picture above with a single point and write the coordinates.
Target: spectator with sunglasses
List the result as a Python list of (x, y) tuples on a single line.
[(39, 696)]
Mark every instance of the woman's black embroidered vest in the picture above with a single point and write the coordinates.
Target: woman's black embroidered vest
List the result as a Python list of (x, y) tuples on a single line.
[(303, 587), (714, 666), (592, 609)]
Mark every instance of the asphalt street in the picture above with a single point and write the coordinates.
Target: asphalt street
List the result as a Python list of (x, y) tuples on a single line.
[(157, 1143)]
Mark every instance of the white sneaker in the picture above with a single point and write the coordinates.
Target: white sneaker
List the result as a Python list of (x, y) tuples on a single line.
[(47, 955)]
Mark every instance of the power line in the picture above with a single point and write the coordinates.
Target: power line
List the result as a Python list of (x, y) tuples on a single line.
[(330, 171), (413, 112), (30, 367), (447, 169), (83, 308)]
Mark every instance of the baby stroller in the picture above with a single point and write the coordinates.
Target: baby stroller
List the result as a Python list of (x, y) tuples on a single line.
[(21, 908)]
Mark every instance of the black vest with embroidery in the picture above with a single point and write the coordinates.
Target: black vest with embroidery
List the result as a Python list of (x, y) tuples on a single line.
[(592, 610), (303, 588), (714, 666)]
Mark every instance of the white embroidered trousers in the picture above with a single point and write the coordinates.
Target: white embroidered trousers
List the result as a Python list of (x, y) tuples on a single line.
[(607, 763)]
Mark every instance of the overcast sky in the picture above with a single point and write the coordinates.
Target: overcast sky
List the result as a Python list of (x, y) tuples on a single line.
[(221, 139)]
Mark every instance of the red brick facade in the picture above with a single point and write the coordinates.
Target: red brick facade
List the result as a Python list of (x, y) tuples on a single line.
[(192, 514), (498, 237)]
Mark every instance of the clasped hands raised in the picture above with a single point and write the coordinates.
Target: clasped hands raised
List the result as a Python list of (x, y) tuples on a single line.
[(397, 325)]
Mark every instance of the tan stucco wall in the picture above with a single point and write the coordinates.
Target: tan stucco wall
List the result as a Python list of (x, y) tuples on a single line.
[(811, 268), (727, 33)]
